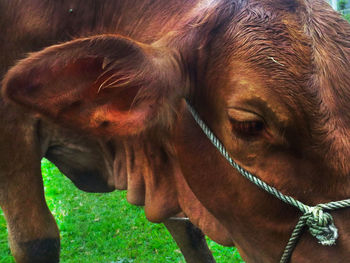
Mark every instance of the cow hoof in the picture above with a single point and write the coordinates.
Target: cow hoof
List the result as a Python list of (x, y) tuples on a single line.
[(39, 251)]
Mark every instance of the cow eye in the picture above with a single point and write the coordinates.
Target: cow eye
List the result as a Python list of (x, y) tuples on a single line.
[(248, 128)]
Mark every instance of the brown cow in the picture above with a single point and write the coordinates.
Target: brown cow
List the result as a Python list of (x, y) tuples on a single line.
[(269, 77), (94, 165)]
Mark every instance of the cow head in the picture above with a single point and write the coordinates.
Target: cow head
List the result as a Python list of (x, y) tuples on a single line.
[(268, 77), (276, 94)]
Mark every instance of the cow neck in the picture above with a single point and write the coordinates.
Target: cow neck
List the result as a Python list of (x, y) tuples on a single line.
[(319, 222)]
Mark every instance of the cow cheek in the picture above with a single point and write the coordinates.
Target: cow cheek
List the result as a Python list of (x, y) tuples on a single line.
[(209, 177), (199, 215)]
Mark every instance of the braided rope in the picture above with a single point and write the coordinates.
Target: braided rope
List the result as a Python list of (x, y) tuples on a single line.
[(319, 222)]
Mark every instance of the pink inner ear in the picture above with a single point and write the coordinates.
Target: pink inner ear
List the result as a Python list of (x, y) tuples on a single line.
[(109, 119), (123, 98), (71, 84), (69, 93)]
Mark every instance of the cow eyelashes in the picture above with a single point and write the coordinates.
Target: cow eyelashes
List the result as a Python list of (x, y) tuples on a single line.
[(248, 129)]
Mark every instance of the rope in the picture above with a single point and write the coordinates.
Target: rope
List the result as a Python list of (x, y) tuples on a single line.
[(320, 223), (179, 218)]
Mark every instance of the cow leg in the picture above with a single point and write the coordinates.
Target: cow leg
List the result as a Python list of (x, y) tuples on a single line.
[(190, 240), (33, 233)]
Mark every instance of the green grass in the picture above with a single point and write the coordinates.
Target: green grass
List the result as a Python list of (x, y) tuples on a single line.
[(104, 228), (347, 17)]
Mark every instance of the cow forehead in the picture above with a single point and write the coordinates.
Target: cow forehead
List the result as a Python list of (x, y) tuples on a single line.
[(294, 62), (267, 57), (302, 54), (273, 43)]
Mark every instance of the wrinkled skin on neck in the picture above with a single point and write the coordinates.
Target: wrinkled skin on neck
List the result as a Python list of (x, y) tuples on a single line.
[(131, 164)]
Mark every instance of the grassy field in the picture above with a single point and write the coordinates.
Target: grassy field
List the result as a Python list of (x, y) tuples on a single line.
[(104, 228)]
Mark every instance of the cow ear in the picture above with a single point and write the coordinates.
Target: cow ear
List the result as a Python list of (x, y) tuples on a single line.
[(104, 85)]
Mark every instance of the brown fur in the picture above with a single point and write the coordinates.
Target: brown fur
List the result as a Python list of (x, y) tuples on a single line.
[(268, 61), (283, 62), (92, 164)]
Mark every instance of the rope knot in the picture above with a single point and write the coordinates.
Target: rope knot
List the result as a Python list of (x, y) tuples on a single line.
[(321, 226)]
